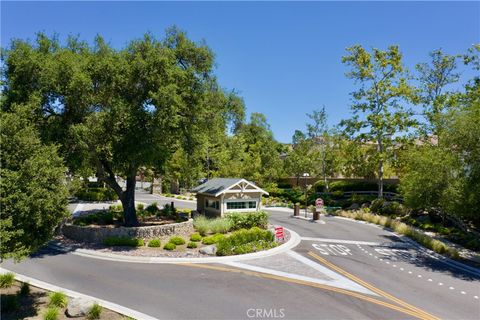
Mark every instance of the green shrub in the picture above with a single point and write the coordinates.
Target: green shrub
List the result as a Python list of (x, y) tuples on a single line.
[(248, 220), (438, 246), (110, 194), (100, 218), (9, 302), (97, 194), (377, 205), (201, 224), (116, 208), (245, 241), (389, 208), (213, 239), (192, 245), (186, 212), (177, 241), (385, 221), (168, 211), (57, 299), (196, 237), (359, 186), (94, 312), (154, 243), (473, 244), (169, 246), (123, 241), (220, 225), (25, 289), (152, 209), (401, 228), (51, 313), (6, 280), (140, 206)]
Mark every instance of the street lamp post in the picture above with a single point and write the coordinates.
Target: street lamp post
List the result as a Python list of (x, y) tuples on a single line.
[(305, 175)]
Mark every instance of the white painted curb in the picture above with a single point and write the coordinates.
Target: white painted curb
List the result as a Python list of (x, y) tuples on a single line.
[(107, 304), (291, 243)]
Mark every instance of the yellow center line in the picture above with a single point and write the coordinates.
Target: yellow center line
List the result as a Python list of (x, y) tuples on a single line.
[(425, 314), (312, 284)]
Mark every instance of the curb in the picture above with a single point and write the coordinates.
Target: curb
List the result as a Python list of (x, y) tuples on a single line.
[(319, 221), (285, 209), (291, 243), (74, 294), (423, 249), (170, 198)]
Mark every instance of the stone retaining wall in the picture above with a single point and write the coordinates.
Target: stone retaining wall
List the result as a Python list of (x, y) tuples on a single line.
[(98, 234)]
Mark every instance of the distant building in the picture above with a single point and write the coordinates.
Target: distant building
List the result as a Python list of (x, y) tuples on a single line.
[(220, 195)]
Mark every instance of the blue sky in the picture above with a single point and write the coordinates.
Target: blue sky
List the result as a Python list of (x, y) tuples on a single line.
[(284, 58)]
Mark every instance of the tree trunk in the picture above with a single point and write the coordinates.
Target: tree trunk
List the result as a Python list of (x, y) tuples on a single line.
[(127, 197), (151, 185), (174, 186), (160, 184), (128, 202), (380, 179)]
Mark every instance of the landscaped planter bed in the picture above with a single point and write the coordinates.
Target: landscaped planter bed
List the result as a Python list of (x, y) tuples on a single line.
[(233, 234), (34, 305), (181, 251), (97, 234)]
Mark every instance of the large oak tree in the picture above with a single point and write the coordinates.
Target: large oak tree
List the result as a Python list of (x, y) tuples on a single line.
[(114, 111)]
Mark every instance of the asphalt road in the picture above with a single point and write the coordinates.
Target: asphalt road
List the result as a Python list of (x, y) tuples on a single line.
[(398, 269), (410, 285)]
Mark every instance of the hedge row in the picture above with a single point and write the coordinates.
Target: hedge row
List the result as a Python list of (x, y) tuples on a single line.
[(346, 186)]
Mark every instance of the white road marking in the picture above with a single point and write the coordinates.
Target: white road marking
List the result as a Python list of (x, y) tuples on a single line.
[(430, 280), (335, 279), (440, 284), (341, 241), (451, 288), (332, 249), (402, 269), (394, 266), (409, 272), (475, 297), (419, 276), (463, 292), (387, 262)]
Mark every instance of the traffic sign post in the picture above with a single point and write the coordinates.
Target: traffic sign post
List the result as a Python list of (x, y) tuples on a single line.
[(318, 208), (319, 203), (279, 234)]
